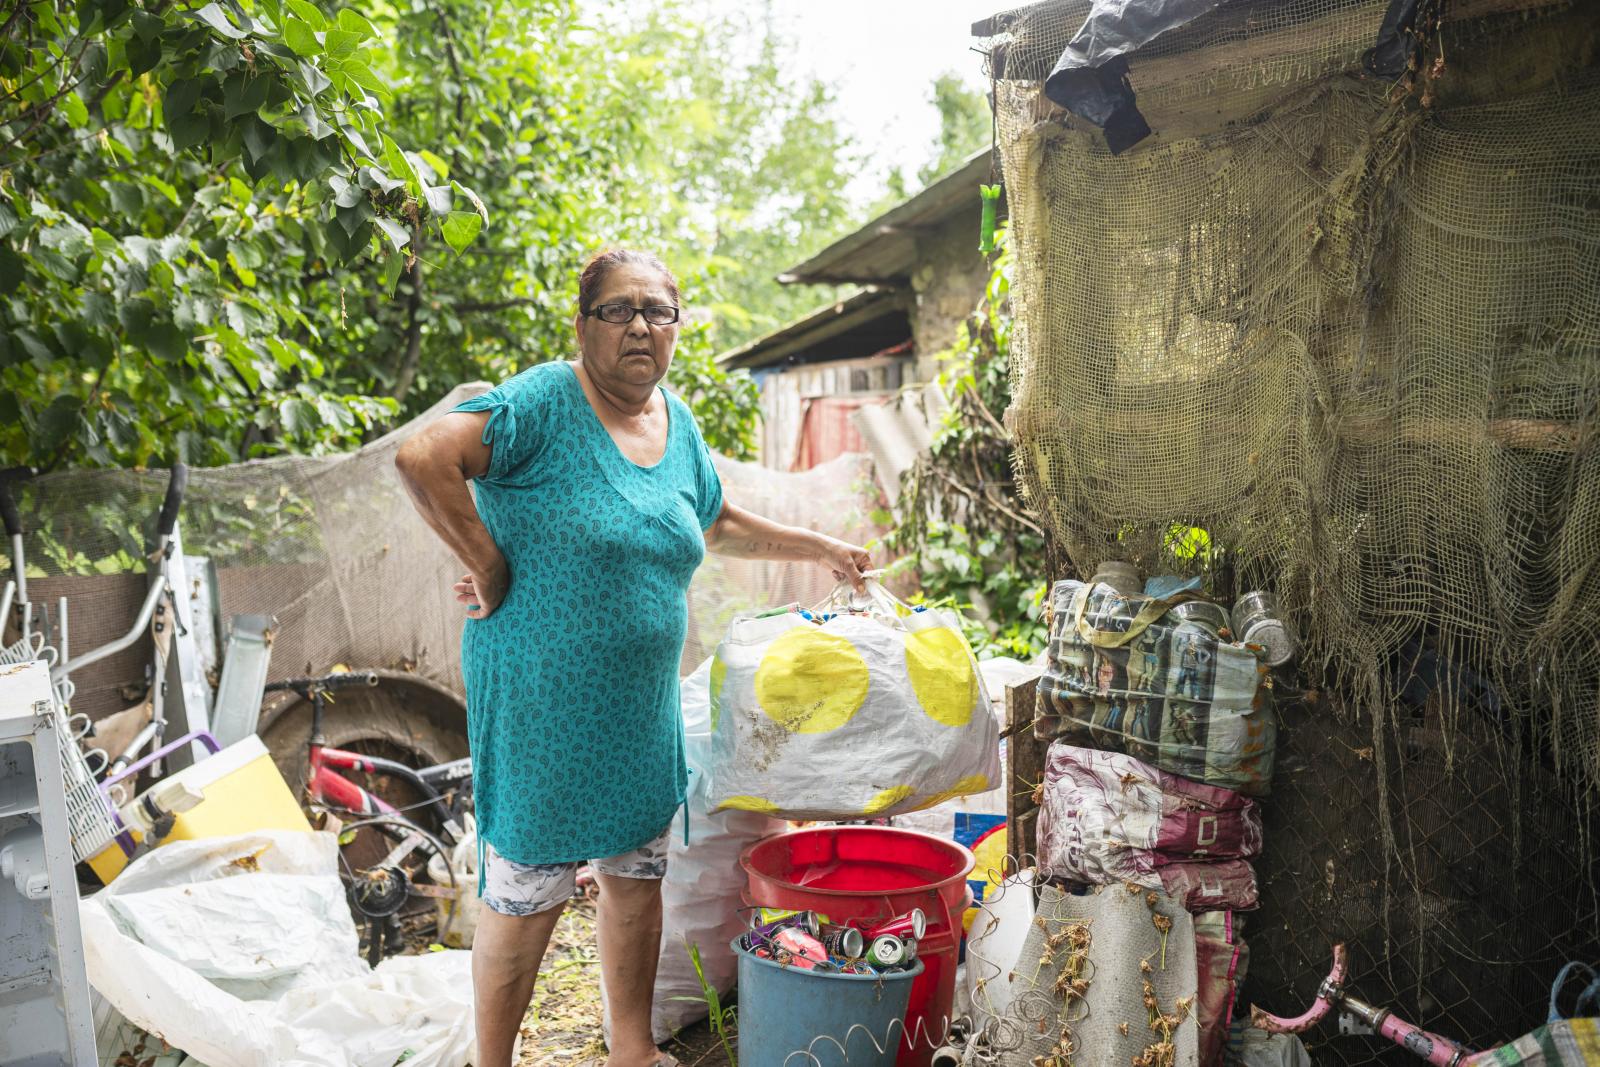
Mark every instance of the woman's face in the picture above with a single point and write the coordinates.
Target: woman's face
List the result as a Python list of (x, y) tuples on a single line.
[(634, 354)]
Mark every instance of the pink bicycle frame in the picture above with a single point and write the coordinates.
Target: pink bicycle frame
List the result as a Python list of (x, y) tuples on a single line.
[(338, 791), (1331, 996)]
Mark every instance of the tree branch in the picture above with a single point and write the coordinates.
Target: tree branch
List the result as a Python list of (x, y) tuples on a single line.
[(450, 54), (412, 356)]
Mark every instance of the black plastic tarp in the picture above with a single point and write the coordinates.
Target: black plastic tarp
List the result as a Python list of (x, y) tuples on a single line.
[(1091, 77)]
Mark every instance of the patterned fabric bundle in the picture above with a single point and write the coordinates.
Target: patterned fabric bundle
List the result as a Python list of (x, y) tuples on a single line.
[(1125, 674), (1105, 817)]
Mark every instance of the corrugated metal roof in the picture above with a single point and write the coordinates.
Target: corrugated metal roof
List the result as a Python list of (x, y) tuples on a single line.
[(883, 252), (859, 325)]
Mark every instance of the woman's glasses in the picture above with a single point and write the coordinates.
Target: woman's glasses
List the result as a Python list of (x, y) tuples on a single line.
[(619, 314)]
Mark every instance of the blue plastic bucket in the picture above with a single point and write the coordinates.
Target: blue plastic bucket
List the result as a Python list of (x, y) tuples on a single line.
[(842, 1019)]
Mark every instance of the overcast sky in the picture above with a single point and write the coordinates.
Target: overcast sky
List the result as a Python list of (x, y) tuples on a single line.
[(882, 57)]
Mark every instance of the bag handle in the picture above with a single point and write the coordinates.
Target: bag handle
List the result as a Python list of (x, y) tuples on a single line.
[(843, 595), (1148, 614)]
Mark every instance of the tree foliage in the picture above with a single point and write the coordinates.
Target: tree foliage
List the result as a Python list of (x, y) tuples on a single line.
[(170, 177), (962, 526), (965, 125), (244, 227)]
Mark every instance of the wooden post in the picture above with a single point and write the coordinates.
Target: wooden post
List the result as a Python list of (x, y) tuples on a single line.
[(1023, 772)]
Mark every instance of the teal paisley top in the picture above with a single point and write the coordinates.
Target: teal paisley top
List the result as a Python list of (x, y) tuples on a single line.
[(572, 682)]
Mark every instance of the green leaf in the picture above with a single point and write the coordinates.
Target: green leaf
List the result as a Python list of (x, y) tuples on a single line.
[(298, 415), (357, 142), (258, 138), (353, 218), (188, 130), (299, 36), (160, 186), (340, 43), (399, 165), (460, 229), (75, 110), (243, 93), (213, 16), (246, 275), (166, 342), (473, 199), (398, 235), (393, 264), (142, 54), (441, 169), (363, 76), (356, 22), (314, 80), (126, 198), (57, 422), (309, 12), (315, 126), (438, 198)]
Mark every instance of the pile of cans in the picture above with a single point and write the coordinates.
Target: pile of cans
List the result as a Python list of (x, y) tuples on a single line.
[(812, 942)]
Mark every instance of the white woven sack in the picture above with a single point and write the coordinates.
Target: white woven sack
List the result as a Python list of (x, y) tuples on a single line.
[(872, 713)]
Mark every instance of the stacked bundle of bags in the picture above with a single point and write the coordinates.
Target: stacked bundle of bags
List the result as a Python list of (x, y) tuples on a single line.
[(1162, 732)]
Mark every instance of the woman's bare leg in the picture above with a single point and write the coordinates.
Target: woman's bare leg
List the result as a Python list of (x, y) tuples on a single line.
[(506, 953), (629, 933)]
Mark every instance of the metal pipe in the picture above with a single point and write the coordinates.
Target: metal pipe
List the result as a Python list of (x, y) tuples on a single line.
[(18, 568), (145, 612), (61, 624), (139, 742), (5, 604)]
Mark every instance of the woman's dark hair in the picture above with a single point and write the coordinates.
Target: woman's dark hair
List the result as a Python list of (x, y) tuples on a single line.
[(595, 271)]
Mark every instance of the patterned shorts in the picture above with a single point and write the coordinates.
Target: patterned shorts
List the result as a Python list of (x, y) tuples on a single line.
[(513, 888)]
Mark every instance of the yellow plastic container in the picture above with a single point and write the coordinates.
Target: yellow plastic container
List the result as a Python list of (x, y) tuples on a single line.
[(243, 791)]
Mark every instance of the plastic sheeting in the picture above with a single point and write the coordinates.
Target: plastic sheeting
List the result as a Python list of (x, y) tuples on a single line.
[(241, 951), (1091, 77)]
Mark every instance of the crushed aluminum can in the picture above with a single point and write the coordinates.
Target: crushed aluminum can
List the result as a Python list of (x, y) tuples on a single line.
[(844, 941), (809, 921), (1257, 622), (886, 950), (913, 923)]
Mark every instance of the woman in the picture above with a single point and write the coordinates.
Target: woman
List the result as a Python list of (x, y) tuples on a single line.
[(596, 501)]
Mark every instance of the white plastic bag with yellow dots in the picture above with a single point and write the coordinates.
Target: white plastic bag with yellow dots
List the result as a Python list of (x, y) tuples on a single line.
[(864, 712)]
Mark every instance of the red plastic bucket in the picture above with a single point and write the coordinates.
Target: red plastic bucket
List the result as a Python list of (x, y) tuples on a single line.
[(864, 874)]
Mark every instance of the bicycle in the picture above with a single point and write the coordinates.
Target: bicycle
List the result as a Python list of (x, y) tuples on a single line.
[(1440, 1051), (378, 891)]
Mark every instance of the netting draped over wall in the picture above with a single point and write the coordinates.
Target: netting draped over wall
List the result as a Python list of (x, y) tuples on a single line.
[(334, 549), (1354, 333)]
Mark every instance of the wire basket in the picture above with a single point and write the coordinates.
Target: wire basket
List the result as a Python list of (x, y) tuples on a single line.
[(90, 818)]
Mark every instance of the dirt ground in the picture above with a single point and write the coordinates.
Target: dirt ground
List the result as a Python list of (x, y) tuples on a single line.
[(563, 1025)]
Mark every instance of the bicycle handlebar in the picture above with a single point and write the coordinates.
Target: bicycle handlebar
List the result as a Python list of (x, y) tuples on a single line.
[(327, 683), (177, 482), (8, 504)]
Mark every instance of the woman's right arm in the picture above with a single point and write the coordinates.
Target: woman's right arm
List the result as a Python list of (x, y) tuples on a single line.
[(435, 466)]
